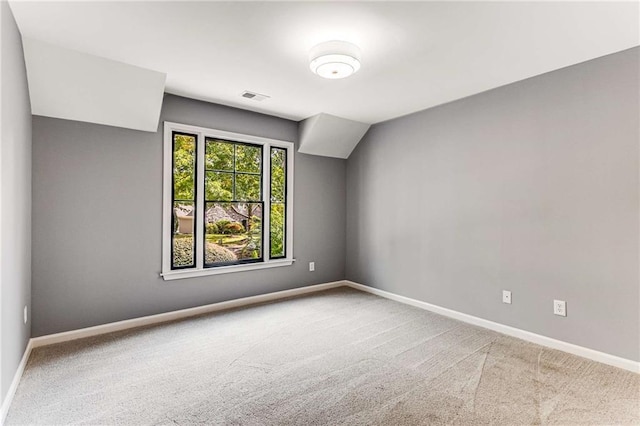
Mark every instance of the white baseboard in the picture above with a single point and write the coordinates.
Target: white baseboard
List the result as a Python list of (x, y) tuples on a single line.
[(6, 403), (66, 336), (591, 354), (148, 320)]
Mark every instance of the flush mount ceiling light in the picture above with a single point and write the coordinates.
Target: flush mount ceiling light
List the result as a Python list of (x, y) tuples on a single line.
[(335, 59)]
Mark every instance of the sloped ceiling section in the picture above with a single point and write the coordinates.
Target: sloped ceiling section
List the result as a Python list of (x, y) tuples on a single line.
[(77, 86), (330, 136)]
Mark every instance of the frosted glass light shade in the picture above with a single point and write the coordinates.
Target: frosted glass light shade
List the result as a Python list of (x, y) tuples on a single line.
[(335, 59)]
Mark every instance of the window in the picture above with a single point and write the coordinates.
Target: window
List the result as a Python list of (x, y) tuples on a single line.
[(227, 202)]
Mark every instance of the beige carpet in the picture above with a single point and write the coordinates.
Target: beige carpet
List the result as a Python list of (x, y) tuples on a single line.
[(336, 357)]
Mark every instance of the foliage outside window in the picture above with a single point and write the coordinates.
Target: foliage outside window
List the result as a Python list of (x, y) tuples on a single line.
[(229, 201), (233, 203), (278, 201), (184, 200)]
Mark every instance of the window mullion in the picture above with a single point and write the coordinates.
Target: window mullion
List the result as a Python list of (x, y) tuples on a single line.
[(266, 197), (200, 207), (289, 203)]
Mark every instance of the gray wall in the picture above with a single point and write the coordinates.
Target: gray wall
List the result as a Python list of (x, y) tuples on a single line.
[(15, 200), (531, 187), (97, 204)]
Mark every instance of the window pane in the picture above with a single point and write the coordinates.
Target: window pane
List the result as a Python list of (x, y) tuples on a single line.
[(278, 212), (248, 158), (219, 155), (248, 187), (183, 244), (218, 186), (278, 174), (233, 233), (183, 202), (277, 230), (184, 166)]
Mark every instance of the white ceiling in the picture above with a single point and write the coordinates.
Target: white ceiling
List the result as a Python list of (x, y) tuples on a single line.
[(414, 55)]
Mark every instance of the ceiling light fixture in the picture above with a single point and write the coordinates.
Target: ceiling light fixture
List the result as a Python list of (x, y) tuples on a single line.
[(335, 59)]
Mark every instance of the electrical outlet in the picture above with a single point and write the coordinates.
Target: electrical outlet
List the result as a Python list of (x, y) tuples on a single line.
[(560, 308), (312, 266), (506, 296), (24, 314)]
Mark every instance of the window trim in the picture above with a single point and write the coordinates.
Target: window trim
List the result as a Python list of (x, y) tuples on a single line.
[(167, 208)]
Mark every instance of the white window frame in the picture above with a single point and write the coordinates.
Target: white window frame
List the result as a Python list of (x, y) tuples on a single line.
[(167, 213)]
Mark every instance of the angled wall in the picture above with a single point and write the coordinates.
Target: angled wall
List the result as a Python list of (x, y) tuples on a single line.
[(330, 136), (15, 200), (72, 85), (531, 187)]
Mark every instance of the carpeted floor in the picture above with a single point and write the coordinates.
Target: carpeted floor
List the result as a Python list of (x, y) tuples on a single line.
[(336, 357)]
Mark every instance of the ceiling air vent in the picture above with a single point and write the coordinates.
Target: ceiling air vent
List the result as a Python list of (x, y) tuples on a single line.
[(254, 96)]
